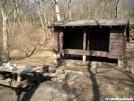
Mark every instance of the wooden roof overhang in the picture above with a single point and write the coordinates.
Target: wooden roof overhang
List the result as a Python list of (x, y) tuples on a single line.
[(91, 23), (123, 23)]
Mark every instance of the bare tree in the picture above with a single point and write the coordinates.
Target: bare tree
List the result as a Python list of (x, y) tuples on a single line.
[(116, 14), (57, 10), (42, 22), (108, 9), (5, 14), (68, 9)]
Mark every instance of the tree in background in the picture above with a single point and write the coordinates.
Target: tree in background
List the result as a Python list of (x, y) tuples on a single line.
[(6, 11), (57, 11)]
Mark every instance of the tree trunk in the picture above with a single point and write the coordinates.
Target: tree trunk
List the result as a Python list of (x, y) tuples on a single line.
[(57, 10), (43, 25), (117, 11), (5, 14), (68, 10), (21, 25), (108, 9), (5, 40)]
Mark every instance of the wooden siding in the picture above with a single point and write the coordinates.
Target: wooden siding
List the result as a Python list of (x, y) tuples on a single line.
[(98, 38), (87, 53), (117, 43), (58, 40)]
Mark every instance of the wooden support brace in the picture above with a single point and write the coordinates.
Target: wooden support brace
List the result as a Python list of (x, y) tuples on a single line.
[(84, 59)]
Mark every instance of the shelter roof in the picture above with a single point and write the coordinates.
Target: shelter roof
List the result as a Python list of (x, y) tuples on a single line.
[(101, 22)]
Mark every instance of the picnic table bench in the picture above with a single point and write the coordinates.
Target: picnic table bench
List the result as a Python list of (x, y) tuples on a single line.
[(24, 75)]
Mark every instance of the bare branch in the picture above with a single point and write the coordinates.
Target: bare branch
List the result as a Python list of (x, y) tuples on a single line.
[(10, 11), (4, 2), (36, 4), (55, 1), (15, 5)]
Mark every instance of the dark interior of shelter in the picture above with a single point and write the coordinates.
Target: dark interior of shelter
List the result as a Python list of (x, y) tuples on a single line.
[(97, 38)]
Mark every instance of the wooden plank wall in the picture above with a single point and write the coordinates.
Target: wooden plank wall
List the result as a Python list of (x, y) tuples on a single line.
[(98, 38), (117, 43), (58, 40)]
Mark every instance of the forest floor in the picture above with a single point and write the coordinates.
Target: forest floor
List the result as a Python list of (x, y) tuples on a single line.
[(95, 84)]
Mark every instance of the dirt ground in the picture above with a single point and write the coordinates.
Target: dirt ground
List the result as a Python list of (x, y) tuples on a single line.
[(106, 81)]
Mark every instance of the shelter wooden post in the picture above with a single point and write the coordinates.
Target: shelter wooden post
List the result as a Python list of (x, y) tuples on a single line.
[(127, 31), (88, 42), (62, 56), (84, 46), (84, 59), (120, 63), (55, 58)]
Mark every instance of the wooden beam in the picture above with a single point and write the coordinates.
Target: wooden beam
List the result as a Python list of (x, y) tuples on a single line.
[(87, 53), (88, 41), (84, 45), (127, 32), (84, 40)]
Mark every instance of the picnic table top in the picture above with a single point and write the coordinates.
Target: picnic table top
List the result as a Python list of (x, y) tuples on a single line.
[(21, 69)]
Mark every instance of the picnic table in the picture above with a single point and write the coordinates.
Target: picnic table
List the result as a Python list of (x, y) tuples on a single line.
[(22, 76)]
